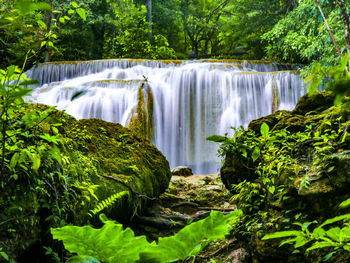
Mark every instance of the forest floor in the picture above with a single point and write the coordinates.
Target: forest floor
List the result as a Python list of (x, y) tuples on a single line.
[(186, 200)]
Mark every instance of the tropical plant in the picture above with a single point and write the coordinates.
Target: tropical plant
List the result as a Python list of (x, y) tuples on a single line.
[(323, 236), (111, 243)]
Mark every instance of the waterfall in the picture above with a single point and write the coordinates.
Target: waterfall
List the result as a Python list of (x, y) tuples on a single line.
[(191, 100)]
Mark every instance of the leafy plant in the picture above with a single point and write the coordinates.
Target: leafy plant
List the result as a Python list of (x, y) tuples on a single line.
[(337, 238), (335, 78), (113, 244), (108, 202)]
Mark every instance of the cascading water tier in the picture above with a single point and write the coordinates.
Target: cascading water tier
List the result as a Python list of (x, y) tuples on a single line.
[(190, 100)]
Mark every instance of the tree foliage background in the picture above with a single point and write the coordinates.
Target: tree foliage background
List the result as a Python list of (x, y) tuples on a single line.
[(286, 30)]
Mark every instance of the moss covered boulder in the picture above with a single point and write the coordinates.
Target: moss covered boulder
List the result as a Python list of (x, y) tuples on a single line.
[(297, 171), (70, 171), (312, 127), (112, 159)]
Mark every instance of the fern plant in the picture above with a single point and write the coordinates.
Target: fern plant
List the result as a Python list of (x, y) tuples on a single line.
[(111, 244), (108, 202), (322, 236)]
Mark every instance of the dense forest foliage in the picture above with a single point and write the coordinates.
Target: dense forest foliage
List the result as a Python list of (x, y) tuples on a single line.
[(287, 30), (52, 166)]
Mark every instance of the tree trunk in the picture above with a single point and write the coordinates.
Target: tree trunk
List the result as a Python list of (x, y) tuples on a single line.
[(206, 43), (149, 17), (48, 51)]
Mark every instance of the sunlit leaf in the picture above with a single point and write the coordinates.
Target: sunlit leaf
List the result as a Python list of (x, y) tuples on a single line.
[(74, 4), (81, 13), (264, 129)]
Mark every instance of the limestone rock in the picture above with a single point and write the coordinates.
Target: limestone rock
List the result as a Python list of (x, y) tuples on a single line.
[(314, 173), (106, 159), (182, 171), (316, 102), (239, 255)]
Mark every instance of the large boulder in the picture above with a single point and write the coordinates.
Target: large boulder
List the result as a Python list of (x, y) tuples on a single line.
[(102, 167), (182, 171), (122, 155), (310, 176), (321, 118)]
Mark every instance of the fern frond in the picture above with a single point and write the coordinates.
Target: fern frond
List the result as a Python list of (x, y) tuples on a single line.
[(108, 202)]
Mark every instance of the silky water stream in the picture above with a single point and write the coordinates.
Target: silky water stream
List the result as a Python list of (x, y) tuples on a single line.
[(190, 100)]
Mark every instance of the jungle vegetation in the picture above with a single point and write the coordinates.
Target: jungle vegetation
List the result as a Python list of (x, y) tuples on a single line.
[(287, 30), (32, 151)]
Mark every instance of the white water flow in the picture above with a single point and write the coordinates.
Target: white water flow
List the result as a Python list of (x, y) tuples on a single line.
[(191, 99)]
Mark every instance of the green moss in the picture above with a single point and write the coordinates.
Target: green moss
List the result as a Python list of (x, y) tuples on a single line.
[(141, 121), (316, 102)]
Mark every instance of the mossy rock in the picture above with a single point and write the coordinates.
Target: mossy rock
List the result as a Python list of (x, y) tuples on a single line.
[(235, 170), (316, 102), (271, 120), (121, 156), (99, 160), (313, 176)]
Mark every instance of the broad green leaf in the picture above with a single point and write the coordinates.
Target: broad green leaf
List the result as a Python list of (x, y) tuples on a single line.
[(335, 219), (55, 154), (318, 232), (272, 189), (301, 241), (264, 129), (61, 19), (49, 138), (108, 244), (28, 6), (344, 234), (256, 153), (3, 90), (185, 242), (280, 234), (14, 160), (345, 204), (20, 93), (74, 4), (36, 162), (288, 241), (4, 255), (111, 243), (71, 11), (318, 245), (10, 71), (81, 13), (41, 24), (334, 233), (346, 247)]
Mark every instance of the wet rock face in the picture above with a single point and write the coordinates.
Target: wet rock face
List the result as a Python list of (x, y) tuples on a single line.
[(123, 160), (317, 102), (205, 190), (314, 172), (104, 158), (182, 171), (235, 170), (239, 255)]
